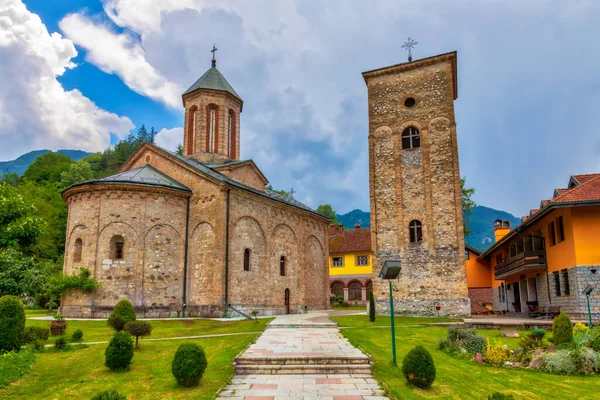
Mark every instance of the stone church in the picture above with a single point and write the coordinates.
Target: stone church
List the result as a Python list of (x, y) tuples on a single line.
[(415, 191), (187, 235)]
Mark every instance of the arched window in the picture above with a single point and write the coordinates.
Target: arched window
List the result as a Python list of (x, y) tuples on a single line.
[(282, 266), (354, 291), (411, 138), (231, 134), (191, 134), (246, 259), (415, 231), (212, 128), (337, 289), (77, 250), (117, 244)]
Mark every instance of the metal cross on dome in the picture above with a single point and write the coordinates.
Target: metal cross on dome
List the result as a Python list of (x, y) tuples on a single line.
[(214, 61), (409, 44)]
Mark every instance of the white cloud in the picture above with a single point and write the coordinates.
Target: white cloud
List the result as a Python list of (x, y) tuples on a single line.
[(36, 112), (122, 55), (170, 138)]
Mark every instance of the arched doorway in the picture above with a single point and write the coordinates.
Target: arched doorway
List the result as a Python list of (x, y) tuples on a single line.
[(287, 301)]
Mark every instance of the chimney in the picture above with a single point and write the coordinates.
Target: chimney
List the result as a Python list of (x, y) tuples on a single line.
[(501, 229), (356, 226)]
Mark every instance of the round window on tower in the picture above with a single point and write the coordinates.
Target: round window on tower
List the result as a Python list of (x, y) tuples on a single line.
[(410, 102)]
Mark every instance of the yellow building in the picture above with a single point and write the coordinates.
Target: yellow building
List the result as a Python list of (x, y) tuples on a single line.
[(350, 261), (552, 256)]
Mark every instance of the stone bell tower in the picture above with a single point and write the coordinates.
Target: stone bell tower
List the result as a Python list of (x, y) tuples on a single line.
[(415, 192), (212, 118)]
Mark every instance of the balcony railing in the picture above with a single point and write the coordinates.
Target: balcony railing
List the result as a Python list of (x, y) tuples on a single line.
[(527, 260)]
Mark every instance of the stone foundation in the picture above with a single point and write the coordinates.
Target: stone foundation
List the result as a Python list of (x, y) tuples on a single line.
[(457, 307)]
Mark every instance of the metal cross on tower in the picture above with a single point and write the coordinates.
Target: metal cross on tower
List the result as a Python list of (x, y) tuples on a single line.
[(409, 44), (214, 60), (292, 192)]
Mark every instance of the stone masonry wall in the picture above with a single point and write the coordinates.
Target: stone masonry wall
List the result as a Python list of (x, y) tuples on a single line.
[(421, 183)]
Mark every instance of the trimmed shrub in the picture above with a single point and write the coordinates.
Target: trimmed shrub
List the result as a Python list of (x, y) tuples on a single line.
[(38, 345), (33, 333), (371, 307), (189, 364), (468, 339), (12, 323), (60, 343), (77, 336), (500, 396), (137, 329), (580, 329), (538, 333), (562, 329), (497, 354), (110, 394), (122, 314), (119, 352), (418, 368)]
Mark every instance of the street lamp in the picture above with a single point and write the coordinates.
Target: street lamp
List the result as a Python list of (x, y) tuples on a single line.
[(391, 270), (587, 291)]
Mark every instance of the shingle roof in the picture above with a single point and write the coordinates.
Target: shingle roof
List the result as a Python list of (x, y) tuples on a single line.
[(583, 178), (145, 176), (351, 240), (213, 79), (589, 190)]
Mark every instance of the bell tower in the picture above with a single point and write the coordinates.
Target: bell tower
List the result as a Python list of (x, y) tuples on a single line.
[(415, 192), (212, 118)]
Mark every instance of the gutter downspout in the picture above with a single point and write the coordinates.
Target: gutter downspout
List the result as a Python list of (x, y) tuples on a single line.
[(185, 256), (227, 250)]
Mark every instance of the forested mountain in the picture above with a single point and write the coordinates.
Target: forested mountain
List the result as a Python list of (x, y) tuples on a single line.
[(481, 223), (20, 164)]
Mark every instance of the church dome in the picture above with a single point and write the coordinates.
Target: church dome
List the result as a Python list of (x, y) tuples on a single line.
[(214, 80)]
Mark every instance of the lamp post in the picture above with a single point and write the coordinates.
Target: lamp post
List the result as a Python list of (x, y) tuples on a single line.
[(391, 270), (587, 291)]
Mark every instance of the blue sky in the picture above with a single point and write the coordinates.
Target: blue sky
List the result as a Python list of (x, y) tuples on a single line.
[(77, 73)]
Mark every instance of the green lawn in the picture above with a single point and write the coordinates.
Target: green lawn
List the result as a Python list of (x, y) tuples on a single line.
[(360, 321), (80, 373), (457, 379)]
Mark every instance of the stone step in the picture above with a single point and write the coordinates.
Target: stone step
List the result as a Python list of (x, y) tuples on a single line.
[(274, 360), (294, 369)]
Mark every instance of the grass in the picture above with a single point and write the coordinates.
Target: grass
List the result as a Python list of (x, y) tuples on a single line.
[(362, 321), (97, 331), (456, 379), (14, 365)]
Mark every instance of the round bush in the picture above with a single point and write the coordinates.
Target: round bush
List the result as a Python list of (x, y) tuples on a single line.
[(137, 329), (562, 329), (119, 352), (12, 323), (60, 343), (580, 329), (122, 314), (500, 396), (110, 394), (189, 364), (33, 333), (418, 367), (77, 336)]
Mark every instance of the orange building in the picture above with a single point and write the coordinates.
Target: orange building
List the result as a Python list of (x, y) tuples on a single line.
[(551, 256), (479, 281)]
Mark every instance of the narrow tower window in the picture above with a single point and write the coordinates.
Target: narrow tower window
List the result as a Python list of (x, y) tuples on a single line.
[(117, 244), (282, 266), (211, 142), (415, 231), (191, 134), (411, 138), (231, 134), (246, 259), (77, 250)]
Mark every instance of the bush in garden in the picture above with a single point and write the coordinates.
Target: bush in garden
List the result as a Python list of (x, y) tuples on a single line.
[(418, 367), (497, 354), (562, 329), (580, 329), (12, 323), (119, 352), (468, 339), (122, 314), (500, 396), (595, 344), (189, 364), (538, 333), (371, 307), (137, 329), (38, 345), (533, 341), (559, 362), (77, 336), (110, 394), (60, 344), (589, 361), (33, 333)]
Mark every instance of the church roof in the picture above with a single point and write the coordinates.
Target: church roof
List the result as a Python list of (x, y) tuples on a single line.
[(145, 176), (213, 79)]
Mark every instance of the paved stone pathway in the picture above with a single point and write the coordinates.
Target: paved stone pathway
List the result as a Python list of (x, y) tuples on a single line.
[(302, 356)]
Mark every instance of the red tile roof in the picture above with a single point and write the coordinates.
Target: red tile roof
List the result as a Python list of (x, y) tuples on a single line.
[(558, 192), (533, 211), (588, 190), (351, 240)]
